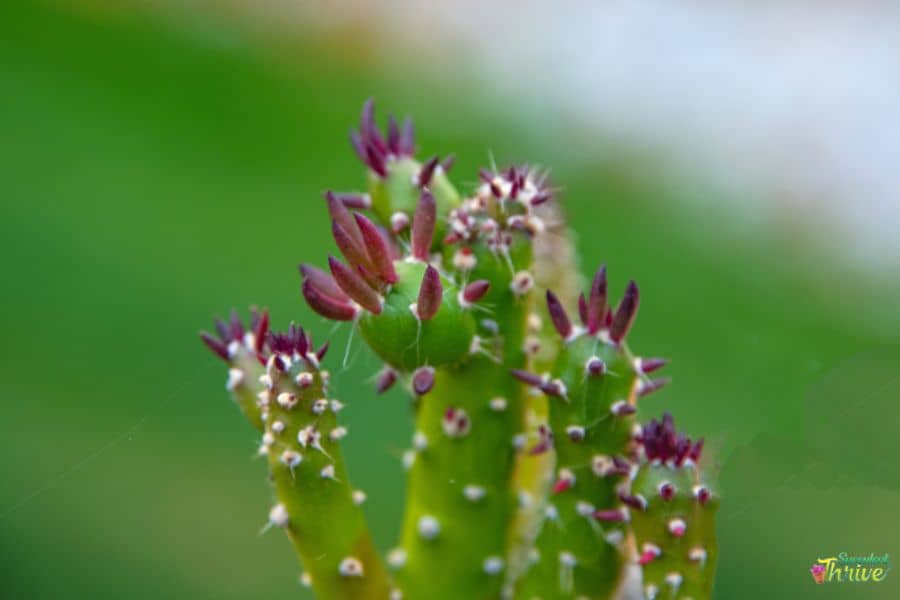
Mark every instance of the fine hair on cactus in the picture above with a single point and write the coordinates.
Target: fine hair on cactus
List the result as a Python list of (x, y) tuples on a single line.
[(529, 473)]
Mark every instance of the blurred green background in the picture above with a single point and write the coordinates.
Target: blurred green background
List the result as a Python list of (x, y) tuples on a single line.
[(155, 171)]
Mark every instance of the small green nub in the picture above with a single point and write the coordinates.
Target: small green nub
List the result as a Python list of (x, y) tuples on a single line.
[(404, 341)]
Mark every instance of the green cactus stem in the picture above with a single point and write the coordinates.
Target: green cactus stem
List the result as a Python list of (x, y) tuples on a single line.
[(528, 476), (592, 390), (314, 502), (673, 517)]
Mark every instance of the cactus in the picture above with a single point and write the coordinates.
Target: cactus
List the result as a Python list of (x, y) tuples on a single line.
[(520, 468), (674, 514)]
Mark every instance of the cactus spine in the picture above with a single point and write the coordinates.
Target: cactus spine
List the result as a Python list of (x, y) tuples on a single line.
[(526, 477)]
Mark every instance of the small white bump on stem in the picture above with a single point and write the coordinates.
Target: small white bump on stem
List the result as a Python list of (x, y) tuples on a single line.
[(358, 497), (584, 509), (498, 404), (303, 380), (519, 440), (697, 555), (409, 459), (551, 513), (338, 433), (526, 500), (320, 406), (576, 433), (268, 438), (534, 555), (674, 579), (464, 260), (651, 591), (350, 567), (286, 400), (521, 283), (492, 565), (474, 493), (428, 527), (567, 559), (602, 465), (278, 426), (263, 398), (399, 222), (327, 472), (396, 558), (534, 323), (456, 423), (336, 406), (291, 459), (278, 516), (614, 537), (419, 441), (235, 378), (306, 580), (677, 527)]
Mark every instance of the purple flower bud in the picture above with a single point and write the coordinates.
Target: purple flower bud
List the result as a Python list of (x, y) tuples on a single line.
[(423, 226), (327, 306), (625, 313), (377, 249), (476, 290), (558, 316), (427, 171), (596, 307), (423, 380), (219, 348), (355, 286), (430, 294)]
